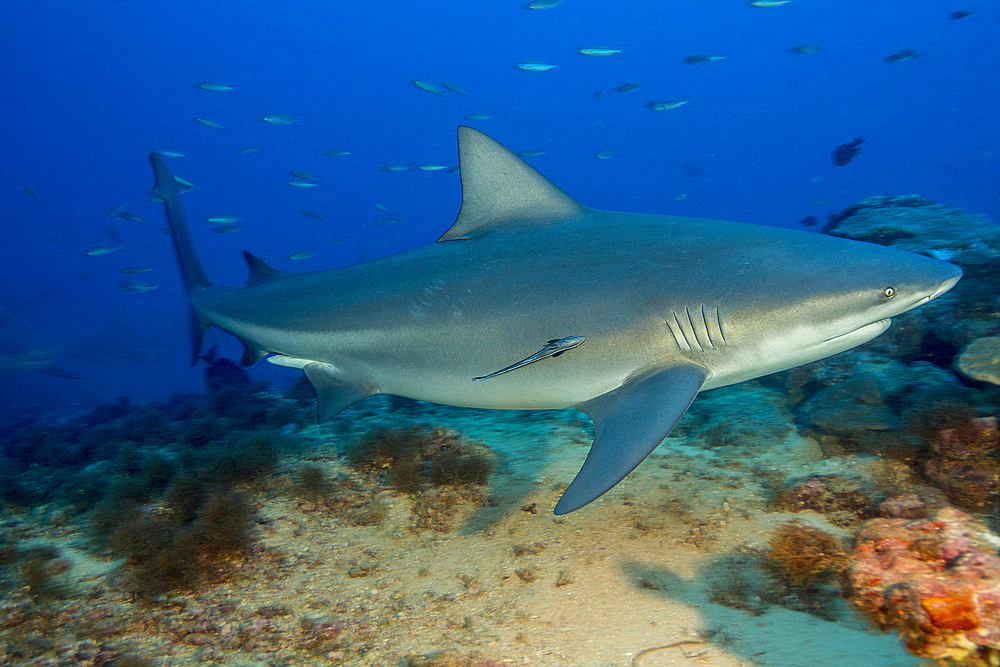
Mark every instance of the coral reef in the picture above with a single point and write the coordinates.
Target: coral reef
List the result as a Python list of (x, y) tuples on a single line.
[(414, 457), (834, 496), (804, 553), (800, 570), (936, 580), (166, 555), (964, 463), (441, 469)]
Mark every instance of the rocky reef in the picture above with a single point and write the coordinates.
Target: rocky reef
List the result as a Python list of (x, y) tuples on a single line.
[(915, 224)]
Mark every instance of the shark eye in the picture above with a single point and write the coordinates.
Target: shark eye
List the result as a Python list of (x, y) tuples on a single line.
[(889, 292)]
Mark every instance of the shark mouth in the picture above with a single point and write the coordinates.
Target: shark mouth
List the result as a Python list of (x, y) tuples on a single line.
[(879, 325)]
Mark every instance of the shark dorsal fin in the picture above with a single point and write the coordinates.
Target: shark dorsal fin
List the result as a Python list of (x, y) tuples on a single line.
[(260, 272), (499, 188)]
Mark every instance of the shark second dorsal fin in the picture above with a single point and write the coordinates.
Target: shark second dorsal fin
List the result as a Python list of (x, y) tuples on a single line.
[(498, 188), (260, 272)]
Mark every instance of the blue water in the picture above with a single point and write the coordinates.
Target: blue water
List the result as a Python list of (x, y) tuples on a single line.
[(90, 88)]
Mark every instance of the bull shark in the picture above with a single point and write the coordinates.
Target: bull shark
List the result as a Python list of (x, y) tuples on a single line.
[(531, 301)]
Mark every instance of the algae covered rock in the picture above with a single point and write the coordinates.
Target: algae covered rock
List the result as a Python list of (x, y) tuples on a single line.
[(980, 360), (936, 580)]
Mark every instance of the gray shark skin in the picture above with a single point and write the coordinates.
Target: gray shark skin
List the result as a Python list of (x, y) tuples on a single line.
[(668, 306)]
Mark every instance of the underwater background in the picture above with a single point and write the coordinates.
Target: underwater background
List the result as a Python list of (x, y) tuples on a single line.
[(321, 134)]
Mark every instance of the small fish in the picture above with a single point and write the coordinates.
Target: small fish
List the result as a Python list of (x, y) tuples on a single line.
[(31, 192), (681, 197), (396, 167), (700, 58), (336, 153), (542, 4), (598, 95), (628, 87), (805, 48), (299, 256), (209, 123), (388, 220), (114, 211), (303, 175), (596, 51), (216, 87), (223, 219), (666, 105), (102, 250), (381, 207), (529, 152), (165, 153), (844, 153), (809, 221), (961, 14), (226, 229), (311, 214), (607, 154), (427, 87), (454, 87), (131, 217), (768, 3), (534, 67), (553, 348), (183, 184), (477, 116), (279, 119), (301, 184), (132, 270), (900, 56), (136, 286), (691, 169), (432, 167), (247, 149)]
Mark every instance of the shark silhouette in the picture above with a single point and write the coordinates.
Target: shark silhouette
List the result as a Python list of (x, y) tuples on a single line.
[(531, 300)]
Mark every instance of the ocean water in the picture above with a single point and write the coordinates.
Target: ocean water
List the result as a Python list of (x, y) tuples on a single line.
[(91, 88)]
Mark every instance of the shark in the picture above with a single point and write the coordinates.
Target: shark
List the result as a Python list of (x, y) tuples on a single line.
[(533, 301)]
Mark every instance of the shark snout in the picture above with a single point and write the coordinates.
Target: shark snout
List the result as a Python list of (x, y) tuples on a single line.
[(948, 283)]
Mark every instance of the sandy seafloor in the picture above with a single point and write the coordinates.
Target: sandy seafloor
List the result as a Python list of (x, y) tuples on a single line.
[(596, 587)]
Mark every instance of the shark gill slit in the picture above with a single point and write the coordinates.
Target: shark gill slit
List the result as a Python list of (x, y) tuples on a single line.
[(692, 333)]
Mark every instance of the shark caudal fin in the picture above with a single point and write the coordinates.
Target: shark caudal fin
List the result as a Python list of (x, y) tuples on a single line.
[(193, 274)]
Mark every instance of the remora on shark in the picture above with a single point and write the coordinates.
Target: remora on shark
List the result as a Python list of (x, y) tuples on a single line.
[(533, 301)]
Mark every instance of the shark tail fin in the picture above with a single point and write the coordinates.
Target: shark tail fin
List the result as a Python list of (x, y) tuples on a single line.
[(195, 280)]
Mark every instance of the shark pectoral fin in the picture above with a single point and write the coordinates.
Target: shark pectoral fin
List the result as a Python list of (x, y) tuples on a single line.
[(629, 422), (334, 390)]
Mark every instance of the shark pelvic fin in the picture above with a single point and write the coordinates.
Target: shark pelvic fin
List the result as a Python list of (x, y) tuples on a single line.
[(251, 354), (260, 272), (334, 391), (629, 423), (499, 188)]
